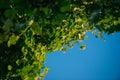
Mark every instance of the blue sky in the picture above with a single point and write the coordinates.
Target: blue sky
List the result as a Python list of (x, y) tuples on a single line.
[(100, 60)]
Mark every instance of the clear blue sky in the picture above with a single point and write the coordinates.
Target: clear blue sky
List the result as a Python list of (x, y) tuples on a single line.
[(100, 61)]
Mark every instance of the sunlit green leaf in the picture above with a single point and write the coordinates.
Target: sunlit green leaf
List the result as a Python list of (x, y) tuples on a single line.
[(9, 67), (12, 40)]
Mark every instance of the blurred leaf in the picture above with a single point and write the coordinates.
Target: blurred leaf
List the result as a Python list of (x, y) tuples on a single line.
[(37, 29), (46, 9), (42, 75), (65, 8), (71, 45), (86, 37), (58, 19), (10, 13), (7, 26), (100, 34), (9, 67), (83, 47), (64, 48), (30, 22), (1, 39), (12, 40)]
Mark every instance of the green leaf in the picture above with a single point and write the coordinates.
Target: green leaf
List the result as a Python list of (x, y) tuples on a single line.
[(7, 26), (37, 29), (12, 40), (58, 19), (46, 9), (64, 49), (83, 47), (1, 39), (10, 12), (65, 8), (71, 45), (9, 67), (100, 34)]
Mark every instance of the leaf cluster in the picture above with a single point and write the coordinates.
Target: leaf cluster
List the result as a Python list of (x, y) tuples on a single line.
[(30, 29)]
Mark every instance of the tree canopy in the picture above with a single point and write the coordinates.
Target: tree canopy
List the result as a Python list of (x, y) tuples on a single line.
[(30, 29)]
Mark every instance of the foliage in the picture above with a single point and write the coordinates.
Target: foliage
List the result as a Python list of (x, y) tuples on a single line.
[(29, 29)]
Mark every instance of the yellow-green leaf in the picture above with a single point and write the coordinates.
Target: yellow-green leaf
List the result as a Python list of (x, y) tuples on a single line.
[(12, 40), (100, 34), (30, 22), (9, 67)]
